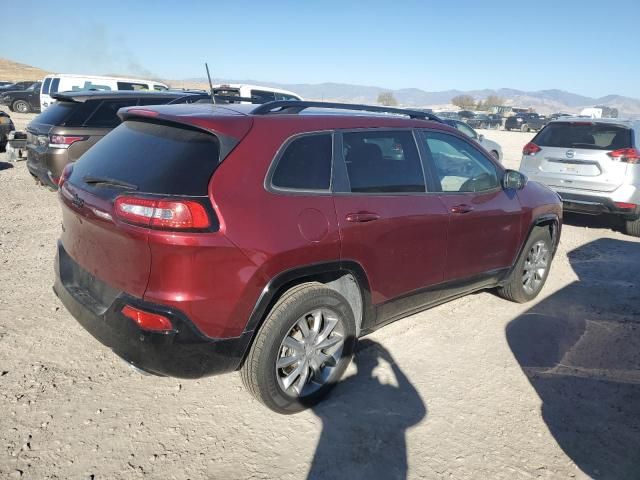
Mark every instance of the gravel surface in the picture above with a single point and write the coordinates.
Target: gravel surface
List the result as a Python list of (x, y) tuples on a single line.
[(476, 388)]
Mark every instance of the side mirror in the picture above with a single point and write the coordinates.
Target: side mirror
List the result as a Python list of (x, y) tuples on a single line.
[(513, 180), (480, 137)]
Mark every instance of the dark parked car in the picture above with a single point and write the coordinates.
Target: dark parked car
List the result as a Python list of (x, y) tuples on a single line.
[(22, 101), (525, 122), (200, 239), (75, 122), (6, 126), (483, 120), (16, 86)]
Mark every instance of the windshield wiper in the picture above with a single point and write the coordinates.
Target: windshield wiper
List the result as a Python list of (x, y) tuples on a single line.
[(111, 182)]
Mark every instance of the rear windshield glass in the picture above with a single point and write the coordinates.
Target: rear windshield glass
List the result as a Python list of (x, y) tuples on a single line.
[(592, 136), (56, 114), (156, 158)]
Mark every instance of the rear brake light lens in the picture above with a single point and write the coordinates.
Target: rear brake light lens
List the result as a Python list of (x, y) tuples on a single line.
[(530, 149), (624, 205), (626, 155), (66, 173), (151, 322), (162, 214), (63, 141)]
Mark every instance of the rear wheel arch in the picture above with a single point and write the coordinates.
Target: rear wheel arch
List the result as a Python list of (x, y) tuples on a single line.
[(346, 277)]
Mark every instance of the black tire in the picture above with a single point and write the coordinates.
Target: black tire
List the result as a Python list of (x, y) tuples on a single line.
[(259, 372), (632, 227), (514, 288), (508, 129), (21, 106), (524, 128), (495, 155)]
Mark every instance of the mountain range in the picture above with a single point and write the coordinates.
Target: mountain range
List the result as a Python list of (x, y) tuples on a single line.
[(543, 101)]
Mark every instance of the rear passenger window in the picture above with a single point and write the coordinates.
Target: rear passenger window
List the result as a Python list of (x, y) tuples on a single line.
[(55, 83), (132, 86), (106, 114), (305, 164), (383, 162), (459, 166), (45, 86), (260, 96)]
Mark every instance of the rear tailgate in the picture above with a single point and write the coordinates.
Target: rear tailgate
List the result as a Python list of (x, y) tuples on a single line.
[(152, 158), (576, 155), (116, 254)]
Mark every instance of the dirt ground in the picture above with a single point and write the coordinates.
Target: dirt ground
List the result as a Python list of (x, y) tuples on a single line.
[(476, 388)]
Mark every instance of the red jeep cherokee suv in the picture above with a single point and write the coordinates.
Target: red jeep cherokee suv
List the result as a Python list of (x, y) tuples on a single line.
[(201, 239)]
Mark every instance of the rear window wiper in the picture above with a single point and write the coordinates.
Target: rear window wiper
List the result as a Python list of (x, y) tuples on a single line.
[(111, 182)]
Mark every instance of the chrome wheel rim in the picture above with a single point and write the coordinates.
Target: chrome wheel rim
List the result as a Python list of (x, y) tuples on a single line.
[(309, 354), (21, 107), (535, 267)]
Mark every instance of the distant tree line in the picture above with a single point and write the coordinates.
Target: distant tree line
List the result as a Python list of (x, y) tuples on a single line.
[(467, 102)]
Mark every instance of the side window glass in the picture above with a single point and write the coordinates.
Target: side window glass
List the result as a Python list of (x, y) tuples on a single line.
[(466, 129), (132, 86), (305, 164), (383, 162), (459, 166), (106, 114), (55, 83), (260, 96), (45, 86)]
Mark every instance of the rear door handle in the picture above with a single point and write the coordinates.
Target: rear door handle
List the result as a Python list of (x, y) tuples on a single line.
[(463, 208), (362, 217)]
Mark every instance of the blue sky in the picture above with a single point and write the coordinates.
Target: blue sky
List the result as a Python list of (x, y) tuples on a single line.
[(586, 47)]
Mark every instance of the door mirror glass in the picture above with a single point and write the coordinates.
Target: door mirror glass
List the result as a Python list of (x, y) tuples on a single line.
[(513, 180)]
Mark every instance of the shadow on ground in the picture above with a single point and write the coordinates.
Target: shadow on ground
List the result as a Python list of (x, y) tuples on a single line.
[(580, 349), (5, 166), (364, 422)]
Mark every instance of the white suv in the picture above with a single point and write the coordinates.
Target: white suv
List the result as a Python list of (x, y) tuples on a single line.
[(593, 164)]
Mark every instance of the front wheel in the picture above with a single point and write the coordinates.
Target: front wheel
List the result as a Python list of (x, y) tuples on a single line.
[(531, 270), (21, 106), (301, 350)]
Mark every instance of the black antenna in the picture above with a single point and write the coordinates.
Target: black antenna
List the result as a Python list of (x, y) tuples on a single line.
[(213, 97)]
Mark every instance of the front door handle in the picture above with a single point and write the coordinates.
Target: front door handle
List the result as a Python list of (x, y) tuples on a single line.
[(362, 217), (462, 208)]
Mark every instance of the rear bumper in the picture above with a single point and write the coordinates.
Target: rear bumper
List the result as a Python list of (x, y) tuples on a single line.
[(595, 205), (39, 170), (185, 352)]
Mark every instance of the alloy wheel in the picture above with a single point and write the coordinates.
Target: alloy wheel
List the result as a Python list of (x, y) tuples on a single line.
[(535, 267), (309, 353)]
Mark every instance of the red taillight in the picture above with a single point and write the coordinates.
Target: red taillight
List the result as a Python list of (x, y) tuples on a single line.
[(626, 155), (63, 141), (66, 173), (530, 149), (143, 112), (152, 322), (164, 214), (624, 205)]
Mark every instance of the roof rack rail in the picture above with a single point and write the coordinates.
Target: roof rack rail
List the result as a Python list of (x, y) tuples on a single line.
[(296, 106)]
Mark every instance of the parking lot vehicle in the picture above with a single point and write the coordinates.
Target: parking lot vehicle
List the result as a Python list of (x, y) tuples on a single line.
[(492, 147), (268, 238), (22, 101), (483, 120), (6, 126), (16, 85), (259, 94), (594, 165), (65, 82), (525, 122), (67, 129)]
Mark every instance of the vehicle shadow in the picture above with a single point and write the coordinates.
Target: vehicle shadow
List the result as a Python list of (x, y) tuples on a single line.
[(5, 166), (364, 422), (580, 349)]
